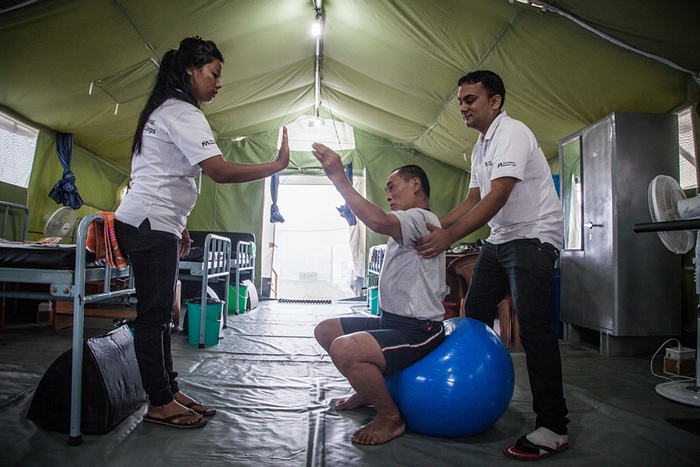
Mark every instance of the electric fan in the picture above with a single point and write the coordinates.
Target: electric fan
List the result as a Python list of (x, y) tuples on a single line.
[(60, 223), (676, 221)]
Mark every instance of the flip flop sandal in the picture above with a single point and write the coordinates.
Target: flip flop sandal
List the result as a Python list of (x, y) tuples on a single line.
[(525, 450), (170, 421), (207, 412)]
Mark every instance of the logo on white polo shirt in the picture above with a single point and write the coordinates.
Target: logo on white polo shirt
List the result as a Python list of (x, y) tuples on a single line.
[(209, 142), (506, 164)]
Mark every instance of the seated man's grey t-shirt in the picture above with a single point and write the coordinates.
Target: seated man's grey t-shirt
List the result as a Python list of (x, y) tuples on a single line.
[(410, 285)]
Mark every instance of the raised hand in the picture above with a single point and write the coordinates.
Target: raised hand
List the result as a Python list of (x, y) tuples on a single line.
[(330, 161), (283, 155)]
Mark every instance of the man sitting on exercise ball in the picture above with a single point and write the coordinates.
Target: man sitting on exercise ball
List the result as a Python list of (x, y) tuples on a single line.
[(365, 349)]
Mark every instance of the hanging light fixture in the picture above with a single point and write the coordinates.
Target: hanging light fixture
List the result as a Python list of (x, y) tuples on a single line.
[(317, 27), (317, 31)]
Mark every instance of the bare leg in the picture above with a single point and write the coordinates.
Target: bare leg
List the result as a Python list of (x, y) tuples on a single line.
[(327, 331), (359, 358)]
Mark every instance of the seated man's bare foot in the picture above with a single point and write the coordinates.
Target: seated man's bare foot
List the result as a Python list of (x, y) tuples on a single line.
[(379, 431), (352, 402)]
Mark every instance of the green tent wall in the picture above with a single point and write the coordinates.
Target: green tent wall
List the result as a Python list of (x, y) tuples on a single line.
[(389, 69)]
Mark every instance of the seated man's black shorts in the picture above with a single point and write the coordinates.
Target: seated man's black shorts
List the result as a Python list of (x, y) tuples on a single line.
[(403, 341)]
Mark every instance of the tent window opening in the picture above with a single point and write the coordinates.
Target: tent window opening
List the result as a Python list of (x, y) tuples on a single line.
[(686, 143), (17, 147)]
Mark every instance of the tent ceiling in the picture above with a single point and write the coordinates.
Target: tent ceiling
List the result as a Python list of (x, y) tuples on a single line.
[(389, 68)]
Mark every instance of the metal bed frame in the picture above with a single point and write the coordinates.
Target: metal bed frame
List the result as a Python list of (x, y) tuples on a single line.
[(244, 261), (69, 285), (216, 264), (66, 285), (6, 216), (218, 249)]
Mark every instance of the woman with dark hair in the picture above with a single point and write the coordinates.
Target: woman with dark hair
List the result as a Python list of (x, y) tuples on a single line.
[(172, 144)]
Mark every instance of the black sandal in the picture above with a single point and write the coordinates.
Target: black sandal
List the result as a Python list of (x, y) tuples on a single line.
[(526, 450)]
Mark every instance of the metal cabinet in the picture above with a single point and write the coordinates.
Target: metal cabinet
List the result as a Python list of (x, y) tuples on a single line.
[(622, 284)]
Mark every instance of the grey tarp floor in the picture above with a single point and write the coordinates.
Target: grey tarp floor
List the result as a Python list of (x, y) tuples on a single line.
[(273, 387)]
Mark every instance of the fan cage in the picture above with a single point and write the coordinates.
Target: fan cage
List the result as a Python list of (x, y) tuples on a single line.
[(61, 223), (664, 195)]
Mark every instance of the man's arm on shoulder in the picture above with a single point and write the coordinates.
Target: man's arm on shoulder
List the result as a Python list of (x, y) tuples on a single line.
[(461, 210), (485, 209)]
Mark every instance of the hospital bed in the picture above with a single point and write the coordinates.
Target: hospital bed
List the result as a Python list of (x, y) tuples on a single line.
[(214, 264), (237, 264), (65, 269)]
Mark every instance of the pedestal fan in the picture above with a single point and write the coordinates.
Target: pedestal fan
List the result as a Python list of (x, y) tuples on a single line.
[(61, 223), (677, 222)]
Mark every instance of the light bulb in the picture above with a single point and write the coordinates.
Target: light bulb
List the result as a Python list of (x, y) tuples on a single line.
[(316, 28)]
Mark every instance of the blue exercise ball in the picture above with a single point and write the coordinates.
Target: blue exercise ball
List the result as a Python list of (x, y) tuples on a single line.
[(461, 388)]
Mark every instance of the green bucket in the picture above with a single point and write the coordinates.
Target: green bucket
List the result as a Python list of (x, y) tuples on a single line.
[(242, 299), (374, 300), (212, 321)]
